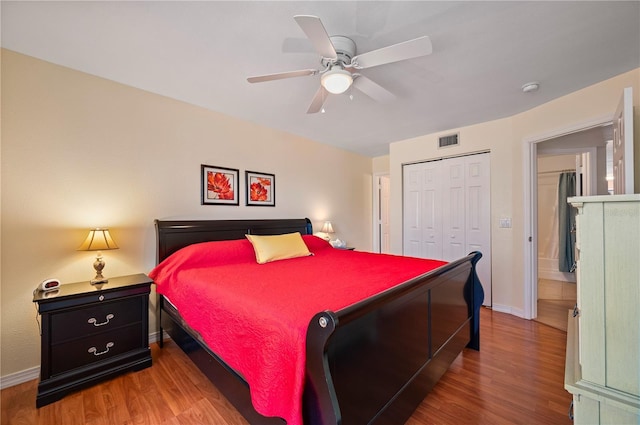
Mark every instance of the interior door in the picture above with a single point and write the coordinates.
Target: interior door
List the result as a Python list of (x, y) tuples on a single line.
[(412, 205), (623, 144), (422, 210), (478, 216), (431, 210), (453, 220), (385, 241), (447, 211)]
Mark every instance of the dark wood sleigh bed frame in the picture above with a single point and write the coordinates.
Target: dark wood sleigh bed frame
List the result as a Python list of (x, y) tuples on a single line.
[(373, 362)]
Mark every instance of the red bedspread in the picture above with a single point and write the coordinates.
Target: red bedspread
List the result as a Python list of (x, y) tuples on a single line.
[(255, 316)]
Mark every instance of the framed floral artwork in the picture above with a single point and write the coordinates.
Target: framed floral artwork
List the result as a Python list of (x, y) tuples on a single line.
[(220, 185), (261, 189)]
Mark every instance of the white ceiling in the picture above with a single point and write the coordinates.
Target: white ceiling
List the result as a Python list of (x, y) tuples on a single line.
[(202, 52)]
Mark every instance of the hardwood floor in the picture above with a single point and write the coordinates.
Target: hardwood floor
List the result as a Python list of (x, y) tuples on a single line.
[(516, 378), (554, 299), (554, 312)]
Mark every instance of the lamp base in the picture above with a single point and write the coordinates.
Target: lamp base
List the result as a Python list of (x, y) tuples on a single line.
[(98, 265), (98, 280)]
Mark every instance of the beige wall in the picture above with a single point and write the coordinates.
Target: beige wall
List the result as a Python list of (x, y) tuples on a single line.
[(505, 138), (380, 164), (79, 152)]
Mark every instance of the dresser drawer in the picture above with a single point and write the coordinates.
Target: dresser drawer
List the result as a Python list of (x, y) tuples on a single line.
[(95, 318), (96, 348)]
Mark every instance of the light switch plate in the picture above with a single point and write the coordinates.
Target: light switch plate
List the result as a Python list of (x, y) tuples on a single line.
[(505, 223)]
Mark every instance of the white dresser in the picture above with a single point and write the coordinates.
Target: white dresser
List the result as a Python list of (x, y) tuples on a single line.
[(603, 339)]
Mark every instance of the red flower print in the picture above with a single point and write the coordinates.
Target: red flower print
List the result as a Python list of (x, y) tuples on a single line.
[(220, 185), (258, 192)]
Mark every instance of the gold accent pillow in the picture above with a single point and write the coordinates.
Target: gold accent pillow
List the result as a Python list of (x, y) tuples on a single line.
[(278, 247)]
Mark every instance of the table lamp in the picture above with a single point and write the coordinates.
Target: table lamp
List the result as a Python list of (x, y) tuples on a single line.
[(98, 240), (327, 229)]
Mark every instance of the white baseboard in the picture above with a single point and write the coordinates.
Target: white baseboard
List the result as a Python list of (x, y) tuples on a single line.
[(509, 310), (153, 337), (19, 377), (34, 372)]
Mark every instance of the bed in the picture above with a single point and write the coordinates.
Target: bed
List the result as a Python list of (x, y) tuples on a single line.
[(372, 361)]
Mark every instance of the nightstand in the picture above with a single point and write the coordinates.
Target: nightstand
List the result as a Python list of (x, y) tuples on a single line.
[(346, 248), (92, 332)]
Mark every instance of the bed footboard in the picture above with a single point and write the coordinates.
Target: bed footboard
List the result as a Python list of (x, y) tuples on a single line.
[(375, 361)]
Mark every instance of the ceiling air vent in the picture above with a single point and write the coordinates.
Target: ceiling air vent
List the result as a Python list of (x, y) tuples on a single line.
[(446, 141)]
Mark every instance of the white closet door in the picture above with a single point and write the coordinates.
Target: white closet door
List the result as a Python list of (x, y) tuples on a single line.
[(453, 209), (430, 211), (412, 210), (447, 211), (422, 205), (478, 216)]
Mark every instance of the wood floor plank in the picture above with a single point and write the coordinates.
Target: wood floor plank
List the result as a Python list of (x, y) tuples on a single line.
[(18, 404), (206, 389), (154, 407), (201, 412), (95, 410), (516, 378), (554, 312)]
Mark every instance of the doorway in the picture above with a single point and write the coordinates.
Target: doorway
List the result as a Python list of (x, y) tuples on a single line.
[(558, 176), (618, 167), (584, 152)]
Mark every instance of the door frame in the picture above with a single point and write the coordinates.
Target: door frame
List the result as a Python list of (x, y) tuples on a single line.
[(530, 188), (375, 240)]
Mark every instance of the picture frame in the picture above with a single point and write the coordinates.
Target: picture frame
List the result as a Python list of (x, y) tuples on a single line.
[(219, 185), (260, 189)]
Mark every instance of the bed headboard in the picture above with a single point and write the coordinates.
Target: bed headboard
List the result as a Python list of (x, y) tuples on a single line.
[(173, 235)]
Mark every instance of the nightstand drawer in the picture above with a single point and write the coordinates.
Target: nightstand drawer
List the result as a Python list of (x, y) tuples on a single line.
[(95, 318), (96, 348)]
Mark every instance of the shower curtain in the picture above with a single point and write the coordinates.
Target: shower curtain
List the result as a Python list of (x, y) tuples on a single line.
[(566, 222)]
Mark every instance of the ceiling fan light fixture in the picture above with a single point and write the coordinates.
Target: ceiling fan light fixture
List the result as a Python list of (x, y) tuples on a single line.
[(336, 80)]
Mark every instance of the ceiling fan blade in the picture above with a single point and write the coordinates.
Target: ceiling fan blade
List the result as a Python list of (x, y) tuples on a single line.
[(407, 50), (318, 101), (313, 28), (282, 75), (373, 89)]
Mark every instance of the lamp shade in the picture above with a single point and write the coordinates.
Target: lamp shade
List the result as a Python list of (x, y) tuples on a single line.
[(337, 80), (98, 240), (327, 227)]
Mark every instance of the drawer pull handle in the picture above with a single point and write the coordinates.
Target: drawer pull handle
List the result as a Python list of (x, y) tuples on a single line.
[(93, 320), (94, 350)]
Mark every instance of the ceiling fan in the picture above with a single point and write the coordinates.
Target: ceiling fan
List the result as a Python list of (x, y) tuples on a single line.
[(340, 64)]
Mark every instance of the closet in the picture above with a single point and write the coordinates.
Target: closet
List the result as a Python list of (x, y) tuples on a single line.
[(446, 211)]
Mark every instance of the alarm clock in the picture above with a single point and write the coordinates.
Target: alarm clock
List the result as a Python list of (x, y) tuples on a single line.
[(49, 285)]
